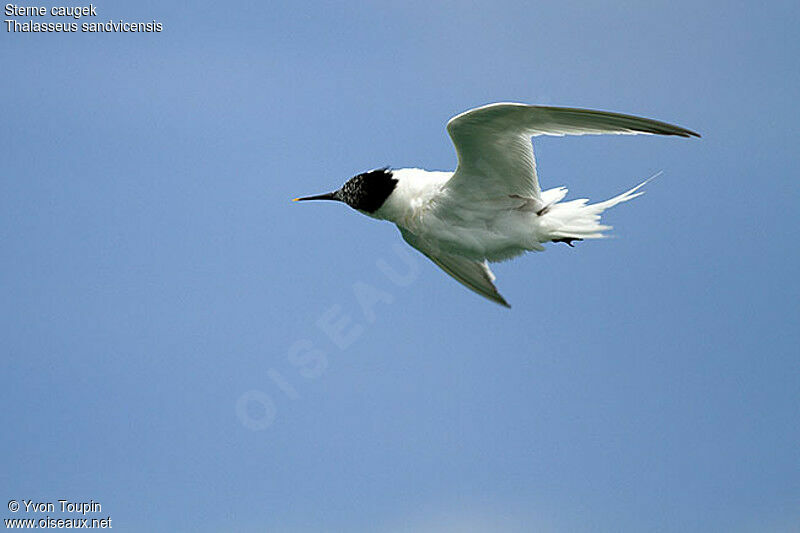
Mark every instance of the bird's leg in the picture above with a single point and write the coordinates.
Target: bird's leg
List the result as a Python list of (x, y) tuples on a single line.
[(567, 240)]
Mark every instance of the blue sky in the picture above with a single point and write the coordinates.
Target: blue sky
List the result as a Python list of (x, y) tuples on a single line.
[(162, 298)]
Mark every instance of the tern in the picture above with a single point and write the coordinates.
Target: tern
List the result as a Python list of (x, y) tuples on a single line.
[(491, 208)]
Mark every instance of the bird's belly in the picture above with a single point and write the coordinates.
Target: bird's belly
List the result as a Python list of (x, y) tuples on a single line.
[(496, 238)]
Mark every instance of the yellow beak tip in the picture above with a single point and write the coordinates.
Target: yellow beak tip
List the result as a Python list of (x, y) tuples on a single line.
[(295, 199)]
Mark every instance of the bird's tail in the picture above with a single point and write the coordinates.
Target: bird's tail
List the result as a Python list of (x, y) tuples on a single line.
[(578, 219)]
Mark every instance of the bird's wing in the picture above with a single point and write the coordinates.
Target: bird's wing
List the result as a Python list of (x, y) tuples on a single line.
[(475, 275), (495, 154)]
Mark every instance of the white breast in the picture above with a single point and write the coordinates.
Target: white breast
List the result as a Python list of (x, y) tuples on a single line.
[(412, 197)]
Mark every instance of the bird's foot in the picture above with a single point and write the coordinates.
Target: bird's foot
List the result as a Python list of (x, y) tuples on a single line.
[(568, 241)]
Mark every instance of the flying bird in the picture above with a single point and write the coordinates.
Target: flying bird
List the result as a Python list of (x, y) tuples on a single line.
[(492, 208)]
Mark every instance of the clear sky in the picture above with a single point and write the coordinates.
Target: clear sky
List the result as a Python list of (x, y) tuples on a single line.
[(166, 311)]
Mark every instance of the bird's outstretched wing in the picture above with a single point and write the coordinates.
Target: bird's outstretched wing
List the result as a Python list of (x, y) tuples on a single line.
[(495, 154), (475, 275)]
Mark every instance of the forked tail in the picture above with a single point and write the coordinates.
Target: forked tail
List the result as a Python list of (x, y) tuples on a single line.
[(578, 219)]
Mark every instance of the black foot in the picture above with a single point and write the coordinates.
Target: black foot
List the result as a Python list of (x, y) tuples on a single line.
[(568, 241)]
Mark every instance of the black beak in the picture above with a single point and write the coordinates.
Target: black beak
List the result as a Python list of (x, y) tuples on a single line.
[(327, 196)]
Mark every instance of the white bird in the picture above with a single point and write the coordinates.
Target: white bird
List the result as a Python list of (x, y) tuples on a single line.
[(492, 208)]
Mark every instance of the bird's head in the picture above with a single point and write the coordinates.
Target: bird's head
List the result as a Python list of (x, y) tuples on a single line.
[(365, 192)]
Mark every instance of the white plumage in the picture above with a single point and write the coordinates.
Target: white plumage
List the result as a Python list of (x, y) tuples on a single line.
[(492, 208)]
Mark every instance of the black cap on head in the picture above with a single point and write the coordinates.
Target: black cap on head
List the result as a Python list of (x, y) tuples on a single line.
[(365, 192), (368, 191)]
